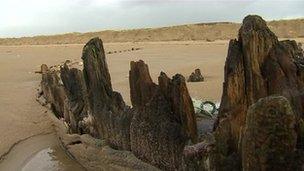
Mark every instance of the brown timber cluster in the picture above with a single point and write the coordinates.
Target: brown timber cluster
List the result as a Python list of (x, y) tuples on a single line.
[(269, 134), (156, 129), (260, 122)]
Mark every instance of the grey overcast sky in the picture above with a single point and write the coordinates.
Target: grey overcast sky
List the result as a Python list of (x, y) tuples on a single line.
[(43, 17)]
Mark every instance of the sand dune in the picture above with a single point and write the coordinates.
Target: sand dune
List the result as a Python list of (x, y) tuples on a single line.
[(192, 32)]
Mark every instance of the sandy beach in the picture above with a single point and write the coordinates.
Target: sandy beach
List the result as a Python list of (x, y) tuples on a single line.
[(151, 85), (22, 118)]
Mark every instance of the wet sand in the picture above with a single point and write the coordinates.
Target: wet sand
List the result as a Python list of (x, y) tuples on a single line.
[(21, 117), (42, 153)]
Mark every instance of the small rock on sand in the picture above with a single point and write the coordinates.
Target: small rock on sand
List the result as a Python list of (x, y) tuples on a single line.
[(196, 76)]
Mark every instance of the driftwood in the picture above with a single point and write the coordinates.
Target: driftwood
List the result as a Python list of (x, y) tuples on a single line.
[(111, 115), (163, 120), (257, 65), (156, 129), (269, 137), (198, 150)]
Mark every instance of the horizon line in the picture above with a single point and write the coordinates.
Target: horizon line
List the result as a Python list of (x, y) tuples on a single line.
[(138, 28)]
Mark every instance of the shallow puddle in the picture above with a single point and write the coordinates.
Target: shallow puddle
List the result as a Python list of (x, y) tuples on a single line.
[(43, 160), (41, 153)]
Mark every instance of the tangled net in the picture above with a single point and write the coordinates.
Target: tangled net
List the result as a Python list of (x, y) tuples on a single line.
[(205, 108)]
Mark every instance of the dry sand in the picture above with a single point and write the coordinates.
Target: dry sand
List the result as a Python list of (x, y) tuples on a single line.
[(172, 58), (22, 117)]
